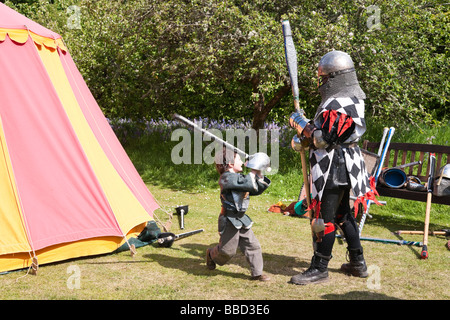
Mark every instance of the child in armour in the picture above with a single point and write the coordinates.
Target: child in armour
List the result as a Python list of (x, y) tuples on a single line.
[(234, 224)]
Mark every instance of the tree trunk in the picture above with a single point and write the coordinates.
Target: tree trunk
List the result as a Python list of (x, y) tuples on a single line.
[(261, 109)]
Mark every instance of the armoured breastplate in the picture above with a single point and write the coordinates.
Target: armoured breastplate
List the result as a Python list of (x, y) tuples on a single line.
[(235, 204), (241, 200), (236, 201)]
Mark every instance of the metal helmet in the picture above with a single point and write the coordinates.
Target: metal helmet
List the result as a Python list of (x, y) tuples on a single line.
[(337, 77), (445, 171), (335, 61), (441, 185), (259, 161)]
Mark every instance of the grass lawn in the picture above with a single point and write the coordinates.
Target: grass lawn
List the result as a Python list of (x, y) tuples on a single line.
[(180, 273)]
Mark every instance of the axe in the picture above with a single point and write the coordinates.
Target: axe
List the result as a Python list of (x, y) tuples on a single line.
[(166, 239)]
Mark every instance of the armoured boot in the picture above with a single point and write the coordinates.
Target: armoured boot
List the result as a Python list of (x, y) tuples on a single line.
[(316, 273), (357, 265)]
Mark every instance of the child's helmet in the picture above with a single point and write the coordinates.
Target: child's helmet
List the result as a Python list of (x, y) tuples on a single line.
[(259, 161)]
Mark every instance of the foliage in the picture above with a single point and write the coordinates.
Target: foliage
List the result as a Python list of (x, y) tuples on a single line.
[(225, 59), (401, 59)]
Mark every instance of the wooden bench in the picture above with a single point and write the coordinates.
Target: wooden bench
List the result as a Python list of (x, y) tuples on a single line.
[(403, 153)]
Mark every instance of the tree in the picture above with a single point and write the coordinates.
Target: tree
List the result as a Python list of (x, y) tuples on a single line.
[(216, 58), (225, 58)]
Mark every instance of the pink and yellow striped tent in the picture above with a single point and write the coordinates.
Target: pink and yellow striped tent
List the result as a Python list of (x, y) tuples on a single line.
[(67, 187)]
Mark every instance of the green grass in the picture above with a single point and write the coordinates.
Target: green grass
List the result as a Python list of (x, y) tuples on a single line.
[(180, 273), (407, 132)]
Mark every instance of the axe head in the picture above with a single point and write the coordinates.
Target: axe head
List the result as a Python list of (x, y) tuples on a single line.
[(166, 239), (182, 210)]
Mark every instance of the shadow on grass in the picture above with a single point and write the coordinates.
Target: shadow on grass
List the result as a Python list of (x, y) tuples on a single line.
[(193, 265), (358, 295), (196, 264)]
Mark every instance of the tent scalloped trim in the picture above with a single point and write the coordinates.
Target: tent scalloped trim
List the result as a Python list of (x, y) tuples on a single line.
[(22, 36)]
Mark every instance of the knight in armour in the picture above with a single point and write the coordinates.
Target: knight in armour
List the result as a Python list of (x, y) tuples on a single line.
[(337, 167)]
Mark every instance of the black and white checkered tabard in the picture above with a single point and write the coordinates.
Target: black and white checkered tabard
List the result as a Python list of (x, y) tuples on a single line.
[(320, 159)]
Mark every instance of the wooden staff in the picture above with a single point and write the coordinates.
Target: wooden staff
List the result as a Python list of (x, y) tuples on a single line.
[(424, 254)]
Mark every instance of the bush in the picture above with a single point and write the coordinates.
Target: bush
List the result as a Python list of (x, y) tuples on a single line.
[(225, 59)]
